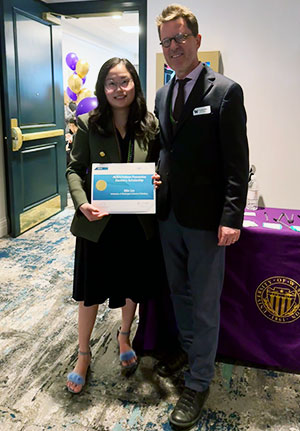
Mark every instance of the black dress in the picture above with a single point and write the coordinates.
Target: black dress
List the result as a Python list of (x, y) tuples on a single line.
[(123, 264)]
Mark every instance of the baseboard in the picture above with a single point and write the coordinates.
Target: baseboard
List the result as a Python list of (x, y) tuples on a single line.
[(3, 227)]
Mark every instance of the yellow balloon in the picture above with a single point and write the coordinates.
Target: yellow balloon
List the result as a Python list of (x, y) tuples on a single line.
[(82, 68), (84, 92), (74, 83)]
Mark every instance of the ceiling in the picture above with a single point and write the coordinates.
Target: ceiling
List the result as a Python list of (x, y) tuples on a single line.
[(104, 28), (107, 29)]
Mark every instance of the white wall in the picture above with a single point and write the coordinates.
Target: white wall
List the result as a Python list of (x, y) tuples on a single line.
[(93, 50), (260, 47)]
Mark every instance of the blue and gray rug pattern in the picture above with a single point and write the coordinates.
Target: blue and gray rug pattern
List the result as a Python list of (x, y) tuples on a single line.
[(38, 344)]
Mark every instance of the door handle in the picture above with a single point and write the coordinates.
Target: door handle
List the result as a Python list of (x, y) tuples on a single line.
[(18, 137)]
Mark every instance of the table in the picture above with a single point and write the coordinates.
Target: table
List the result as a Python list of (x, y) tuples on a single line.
[(260, 303)]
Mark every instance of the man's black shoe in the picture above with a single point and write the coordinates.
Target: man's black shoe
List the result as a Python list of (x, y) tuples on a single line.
[(171, 363), (188, 409)]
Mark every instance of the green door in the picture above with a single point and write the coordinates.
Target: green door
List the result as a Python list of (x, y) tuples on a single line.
[(32, 98)]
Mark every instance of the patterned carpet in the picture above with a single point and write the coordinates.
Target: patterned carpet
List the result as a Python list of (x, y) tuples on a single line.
[(38, 345)]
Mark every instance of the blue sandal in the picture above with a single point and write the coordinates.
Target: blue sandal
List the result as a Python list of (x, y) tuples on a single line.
[(127, 370), (77, 378)]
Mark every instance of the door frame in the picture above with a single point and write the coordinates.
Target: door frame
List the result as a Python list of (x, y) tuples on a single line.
[(94, 7), (7, 96), (4, 219)]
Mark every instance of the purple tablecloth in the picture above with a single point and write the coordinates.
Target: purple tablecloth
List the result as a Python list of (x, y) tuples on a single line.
[(260, 304)]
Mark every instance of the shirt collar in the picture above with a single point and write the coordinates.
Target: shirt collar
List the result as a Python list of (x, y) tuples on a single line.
[(194, 74)]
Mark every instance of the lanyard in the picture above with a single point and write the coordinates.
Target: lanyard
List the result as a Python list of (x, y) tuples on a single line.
[(130, 155)]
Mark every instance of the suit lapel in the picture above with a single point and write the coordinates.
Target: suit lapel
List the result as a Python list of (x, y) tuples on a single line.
[(165, 108), (202, 86), (110, 145)]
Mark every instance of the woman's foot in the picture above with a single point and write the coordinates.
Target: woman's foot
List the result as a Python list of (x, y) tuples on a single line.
[(128, 358), (76, 379)]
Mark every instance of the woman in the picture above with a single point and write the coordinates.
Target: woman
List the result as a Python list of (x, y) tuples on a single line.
[(110, 247)]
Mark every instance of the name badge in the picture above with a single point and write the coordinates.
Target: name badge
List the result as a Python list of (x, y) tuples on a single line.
[(202, 110)]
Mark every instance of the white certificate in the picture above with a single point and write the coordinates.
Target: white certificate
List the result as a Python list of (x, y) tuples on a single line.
[(123, 188)]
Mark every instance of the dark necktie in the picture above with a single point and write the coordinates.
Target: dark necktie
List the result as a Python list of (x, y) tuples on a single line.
[(179, 102)]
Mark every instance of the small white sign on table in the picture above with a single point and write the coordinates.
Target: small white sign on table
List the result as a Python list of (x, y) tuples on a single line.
[(123, 188)]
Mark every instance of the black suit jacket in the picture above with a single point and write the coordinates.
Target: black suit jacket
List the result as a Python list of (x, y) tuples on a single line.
[(204, 163)]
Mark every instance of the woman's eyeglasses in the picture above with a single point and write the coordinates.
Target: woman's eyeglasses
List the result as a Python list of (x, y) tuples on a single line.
[(179, 38), (111, 85)]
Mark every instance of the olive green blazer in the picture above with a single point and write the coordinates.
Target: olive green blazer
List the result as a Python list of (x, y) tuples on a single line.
[(92, 147)]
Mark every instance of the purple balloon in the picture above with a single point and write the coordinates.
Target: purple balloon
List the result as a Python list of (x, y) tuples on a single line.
[(71, 94), (71, 60), (86, 105)]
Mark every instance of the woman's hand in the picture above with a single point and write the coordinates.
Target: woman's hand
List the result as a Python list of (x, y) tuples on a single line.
[(91, 212), (156, 180)]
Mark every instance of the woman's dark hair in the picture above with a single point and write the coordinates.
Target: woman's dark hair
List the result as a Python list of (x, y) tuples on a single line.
[(140, 122)]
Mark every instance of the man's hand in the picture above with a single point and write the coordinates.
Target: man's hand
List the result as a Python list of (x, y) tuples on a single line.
[(69, 138), (91, 212), (228, 235), (156, 180)]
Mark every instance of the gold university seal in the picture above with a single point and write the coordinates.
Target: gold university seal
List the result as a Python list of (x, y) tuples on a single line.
[(278, 299)]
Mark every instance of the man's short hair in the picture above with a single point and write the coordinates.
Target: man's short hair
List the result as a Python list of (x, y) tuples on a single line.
[(72, 120), (175, 11)]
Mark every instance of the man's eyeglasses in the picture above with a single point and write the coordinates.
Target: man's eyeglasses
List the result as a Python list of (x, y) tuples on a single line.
[(111, 85), (179, 38)]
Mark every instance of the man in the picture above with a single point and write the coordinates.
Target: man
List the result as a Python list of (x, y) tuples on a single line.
[(72, 130), (203, 168)]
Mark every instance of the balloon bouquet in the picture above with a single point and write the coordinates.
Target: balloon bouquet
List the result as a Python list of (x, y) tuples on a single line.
[(82, 96)]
